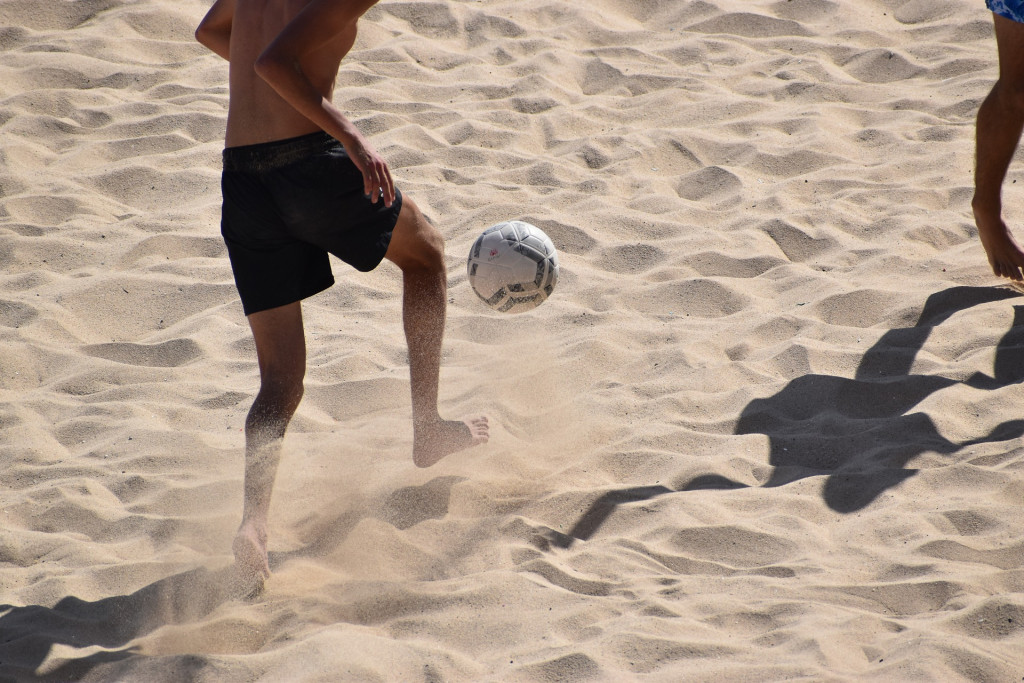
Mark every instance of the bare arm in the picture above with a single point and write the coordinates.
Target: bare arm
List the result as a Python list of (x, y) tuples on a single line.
[(214, 31), (280, 65)]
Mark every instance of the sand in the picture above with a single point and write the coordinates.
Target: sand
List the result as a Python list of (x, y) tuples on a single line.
[(768, 427)]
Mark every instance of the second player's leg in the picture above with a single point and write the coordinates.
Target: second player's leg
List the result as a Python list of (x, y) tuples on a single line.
[(998, 132)]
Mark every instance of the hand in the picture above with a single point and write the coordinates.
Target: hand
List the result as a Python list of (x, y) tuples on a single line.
[(377, 182)]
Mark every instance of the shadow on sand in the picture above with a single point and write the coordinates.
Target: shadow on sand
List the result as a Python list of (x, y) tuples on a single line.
[(856, 432), (27, 634)]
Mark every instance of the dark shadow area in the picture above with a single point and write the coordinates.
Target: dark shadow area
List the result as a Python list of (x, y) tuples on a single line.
[(859, 433), (605, 505), (410, 505), (27, 634)]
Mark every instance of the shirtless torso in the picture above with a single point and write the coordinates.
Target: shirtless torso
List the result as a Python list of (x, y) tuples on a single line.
[(257, 113), (284, 57)]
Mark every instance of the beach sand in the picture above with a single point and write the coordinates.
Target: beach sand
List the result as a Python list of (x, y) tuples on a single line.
[(768, 427)]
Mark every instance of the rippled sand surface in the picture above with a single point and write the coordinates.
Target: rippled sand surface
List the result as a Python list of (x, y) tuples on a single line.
[(767, 428)]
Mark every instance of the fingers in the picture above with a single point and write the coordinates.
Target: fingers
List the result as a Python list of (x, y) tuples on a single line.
[(387, 188), (377, 182)]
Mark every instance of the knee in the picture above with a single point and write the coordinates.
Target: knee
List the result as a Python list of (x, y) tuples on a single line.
[(425, 251), (281, 392), (1011, 95), (432, 249)]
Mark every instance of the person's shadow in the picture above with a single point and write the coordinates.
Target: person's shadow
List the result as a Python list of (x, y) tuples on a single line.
[(27, 634), (859, 433)]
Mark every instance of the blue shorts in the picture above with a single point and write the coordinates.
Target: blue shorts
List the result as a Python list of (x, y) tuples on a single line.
[(287, 205), (1011, 9)]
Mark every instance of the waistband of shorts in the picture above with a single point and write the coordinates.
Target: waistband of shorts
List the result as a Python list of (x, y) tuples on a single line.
[(266, 156)]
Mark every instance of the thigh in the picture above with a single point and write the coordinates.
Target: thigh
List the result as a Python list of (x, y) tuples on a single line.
[(322, 202), (271, 266), (1010, 42)]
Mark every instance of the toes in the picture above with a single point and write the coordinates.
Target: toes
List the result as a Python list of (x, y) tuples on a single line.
[(479, 427)]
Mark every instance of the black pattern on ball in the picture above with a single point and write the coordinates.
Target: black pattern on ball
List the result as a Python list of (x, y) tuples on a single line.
[(513, 266)]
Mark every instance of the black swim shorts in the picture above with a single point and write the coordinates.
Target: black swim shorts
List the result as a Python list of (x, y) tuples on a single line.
[(287, 205)]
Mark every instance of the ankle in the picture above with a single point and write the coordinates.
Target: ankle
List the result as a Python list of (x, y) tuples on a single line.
[(427, 422), (254, 527)]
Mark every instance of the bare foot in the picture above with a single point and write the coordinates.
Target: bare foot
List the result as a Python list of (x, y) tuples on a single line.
[(251, 565), (436, 440), (1004, 254)]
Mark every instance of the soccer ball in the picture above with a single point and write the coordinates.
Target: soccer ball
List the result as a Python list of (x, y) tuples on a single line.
[(513, 266)]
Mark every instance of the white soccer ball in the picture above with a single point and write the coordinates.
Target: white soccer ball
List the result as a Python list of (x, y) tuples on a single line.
[(513, 266)]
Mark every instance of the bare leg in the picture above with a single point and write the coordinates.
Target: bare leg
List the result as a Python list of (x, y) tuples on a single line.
[(998, 132), (418, 249), (281, 351)]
